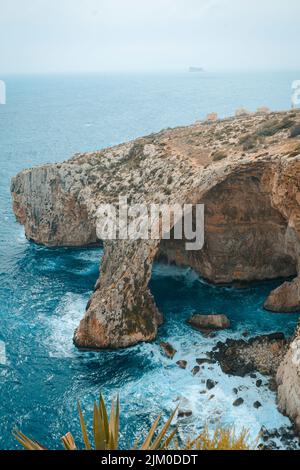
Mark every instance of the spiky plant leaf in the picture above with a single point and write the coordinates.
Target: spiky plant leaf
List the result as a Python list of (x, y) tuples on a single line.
[(98, 429), (158, 442), (68, 442), (26, 442), (147, 442), (83, 429)]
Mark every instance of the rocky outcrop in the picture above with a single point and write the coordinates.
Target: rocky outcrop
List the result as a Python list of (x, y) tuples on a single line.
[(206, 323), (286, 298), (252, 216), (288, 381), (263, 353)]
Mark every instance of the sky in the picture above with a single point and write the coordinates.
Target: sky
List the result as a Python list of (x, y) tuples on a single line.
[(54, 36)]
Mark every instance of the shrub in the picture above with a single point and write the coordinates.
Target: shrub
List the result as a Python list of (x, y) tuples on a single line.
[(272, 127), (105, 434), (248, 141), (219, 155), (295, 131)]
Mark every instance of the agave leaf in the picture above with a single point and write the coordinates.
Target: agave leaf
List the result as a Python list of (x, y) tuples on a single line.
[(157, 442), (98, 429), (68, 442), (117, 423), (27, 443), (147, 442), (104, 418), (83, 429), (168, 441), (112, 444)]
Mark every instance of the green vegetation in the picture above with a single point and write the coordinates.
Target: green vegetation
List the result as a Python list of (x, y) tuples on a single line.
[(219, 155), (105, 433), (295, 131), (273, 126)]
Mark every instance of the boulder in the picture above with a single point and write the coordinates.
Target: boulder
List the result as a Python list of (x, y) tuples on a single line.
[(184, 413), (196, 370), (210, 384), (257, 405), (208, 323), (168, 350), (182, 364), (286, 298), (238, 402)]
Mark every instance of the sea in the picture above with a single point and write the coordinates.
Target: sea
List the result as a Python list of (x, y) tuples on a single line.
[(43, 292)]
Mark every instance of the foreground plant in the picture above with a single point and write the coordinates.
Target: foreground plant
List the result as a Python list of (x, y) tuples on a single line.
[(106, 434)]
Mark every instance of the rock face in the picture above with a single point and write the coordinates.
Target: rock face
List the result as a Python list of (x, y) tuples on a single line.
[(252, 213), (288, 381), (209, 322), (286, 298)]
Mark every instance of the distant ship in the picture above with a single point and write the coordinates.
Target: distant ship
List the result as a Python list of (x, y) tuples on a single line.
[(196, 69)]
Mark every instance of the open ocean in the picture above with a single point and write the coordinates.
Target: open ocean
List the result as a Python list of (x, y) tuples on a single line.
[(43, 292)]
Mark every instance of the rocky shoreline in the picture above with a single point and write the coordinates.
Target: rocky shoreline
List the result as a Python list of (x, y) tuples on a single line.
[(246, 172), (255, 357)]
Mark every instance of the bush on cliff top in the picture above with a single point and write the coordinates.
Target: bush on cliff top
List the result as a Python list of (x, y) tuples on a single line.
[(295, 131), (271, 128)]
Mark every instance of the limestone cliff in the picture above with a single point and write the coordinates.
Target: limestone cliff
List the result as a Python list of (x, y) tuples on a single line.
[(288, 380), (245, 170)]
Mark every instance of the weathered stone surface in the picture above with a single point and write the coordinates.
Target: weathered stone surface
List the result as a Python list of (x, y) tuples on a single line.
[(286, 298), (252, 214), (288, 381), (209, 322), (263, 353)]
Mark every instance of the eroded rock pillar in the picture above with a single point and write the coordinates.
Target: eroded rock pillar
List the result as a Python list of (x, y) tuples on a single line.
[(122, 311)]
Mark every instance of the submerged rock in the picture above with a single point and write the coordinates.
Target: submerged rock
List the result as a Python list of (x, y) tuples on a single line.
[(208, 323), (204, 360), (257, 405), (196, 370), (238, 402), (168, 350), (210, 384), (182, 364), (184, 413)]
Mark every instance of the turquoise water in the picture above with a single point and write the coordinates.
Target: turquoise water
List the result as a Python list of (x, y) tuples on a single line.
[(43, 292)]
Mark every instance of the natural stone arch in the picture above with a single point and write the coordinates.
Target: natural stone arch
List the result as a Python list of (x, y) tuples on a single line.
[(245, 240), (246, 237)]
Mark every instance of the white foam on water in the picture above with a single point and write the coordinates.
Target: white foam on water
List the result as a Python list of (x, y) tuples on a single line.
[(160, 387), (3, 358), (166, 386), (63, 323)]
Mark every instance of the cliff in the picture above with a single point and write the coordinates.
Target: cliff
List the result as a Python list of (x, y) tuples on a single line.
[(246, 170)]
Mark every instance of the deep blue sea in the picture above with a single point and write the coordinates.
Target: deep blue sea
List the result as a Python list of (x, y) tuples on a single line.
[(43, 291)]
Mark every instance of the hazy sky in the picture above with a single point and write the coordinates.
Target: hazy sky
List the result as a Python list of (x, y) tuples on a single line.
[(96, 35)]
